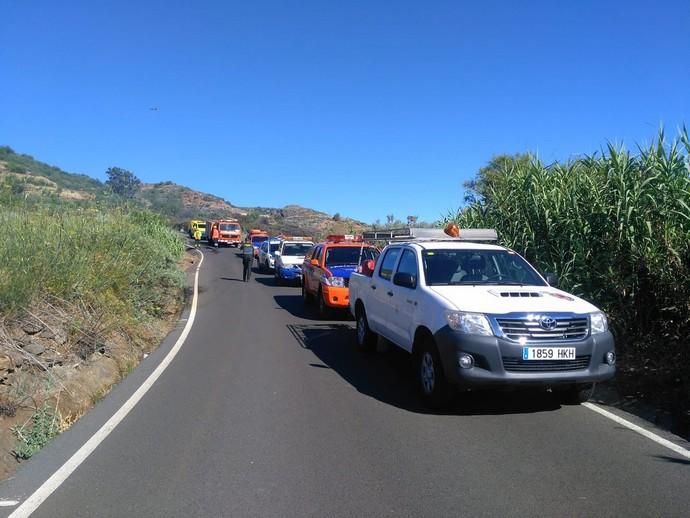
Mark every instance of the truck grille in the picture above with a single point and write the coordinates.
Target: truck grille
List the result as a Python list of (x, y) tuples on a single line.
[(520, 365), (525, 330)]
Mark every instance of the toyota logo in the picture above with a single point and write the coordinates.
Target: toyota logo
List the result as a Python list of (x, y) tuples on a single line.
[(547, 323)]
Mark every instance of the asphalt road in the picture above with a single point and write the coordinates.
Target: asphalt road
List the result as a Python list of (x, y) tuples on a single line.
[(267, 411)]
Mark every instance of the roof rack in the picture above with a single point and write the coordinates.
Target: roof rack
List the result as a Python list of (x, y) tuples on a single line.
[(430, 234)]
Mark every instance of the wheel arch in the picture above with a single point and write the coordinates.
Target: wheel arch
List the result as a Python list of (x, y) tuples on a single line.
[(359, 307), (420, 334)]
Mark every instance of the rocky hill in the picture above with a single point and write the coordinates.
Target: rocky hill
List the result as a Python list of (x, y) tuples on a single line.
[(23, 174)]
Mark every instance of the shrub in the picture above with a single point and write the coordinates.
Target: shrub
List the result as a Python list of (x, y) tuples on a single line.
[(44, 427)]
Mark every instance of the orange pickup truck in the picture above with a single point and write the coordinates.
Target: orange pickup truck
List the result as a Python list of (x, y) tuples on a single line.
[(327, 268)]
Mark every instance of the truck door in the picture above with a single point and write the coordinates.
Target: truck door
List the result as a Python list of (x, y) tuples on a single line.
[(381, 312), (312, 276), (405, 300)]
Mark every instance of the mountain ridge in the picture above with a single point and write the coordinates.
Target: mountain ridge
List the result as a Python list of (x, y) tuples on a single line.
[(24, 174)]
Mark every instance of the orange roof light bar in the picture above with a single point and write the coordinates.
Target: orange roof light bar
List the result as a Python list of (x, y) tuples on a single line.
[(340, 238), (295, 238)]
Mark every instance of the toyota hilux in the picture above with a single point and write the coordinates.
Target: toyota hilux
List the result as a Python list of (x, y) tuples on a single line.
[(475, 314)]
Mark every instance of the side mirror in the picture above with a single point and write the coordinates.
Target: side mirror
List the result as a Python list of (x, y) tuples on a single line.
[(314, 262), (405, 279), (552, 279)]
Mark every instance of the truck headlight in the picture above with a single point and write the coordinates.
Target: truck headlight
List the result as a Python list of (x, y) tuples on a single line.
[(598, 323), (469, 323), (336, 282)]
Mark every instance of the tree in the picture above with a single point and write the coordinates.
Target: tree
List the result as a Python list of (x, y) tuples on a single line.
[(390, 219), (122, 182), (411, 220), (492, 174), (336, 216)]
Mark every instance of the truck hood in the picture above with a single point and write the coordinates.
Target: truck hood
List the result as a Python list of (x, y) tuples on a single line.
[(342, 271), (290, 260), (509, 299)]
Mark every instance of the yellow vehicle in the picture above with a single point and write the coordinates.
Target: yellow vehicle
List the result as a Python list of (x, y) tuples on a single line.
[(197, 223)]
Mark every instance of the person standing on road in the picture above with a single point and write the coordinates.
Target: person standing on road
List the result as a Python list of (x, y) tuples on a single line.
[(215, 234), (197, 237), (247, 260)]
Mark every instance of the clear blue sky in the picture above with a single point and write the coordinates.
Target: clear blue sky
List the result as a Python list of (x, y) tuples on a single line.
[(360, 107)]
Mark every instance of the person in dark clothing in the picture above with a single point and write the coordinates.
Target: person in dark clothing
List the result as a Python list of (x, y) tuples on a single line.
[(247, 260)]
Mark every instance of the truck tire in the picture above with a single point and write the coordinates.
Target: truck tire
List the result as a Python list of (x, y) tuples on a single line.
[(306, 297), (324, 310), (366, 338), (576, 394), (433, 385)]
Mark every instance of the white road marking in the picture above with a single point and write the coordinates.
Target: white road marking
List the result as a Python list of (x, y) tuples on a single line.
[(8, 503), (57, 478), (642, 431)]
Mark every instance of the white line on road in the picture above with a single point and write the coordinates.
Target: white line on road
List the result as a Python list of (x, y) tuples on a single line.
[(57, 478), (642, 431), (8, 503)]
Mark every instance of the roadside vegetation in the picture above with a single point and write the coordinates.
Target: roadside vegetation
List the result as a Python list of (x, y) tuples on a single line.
[(86, 289), (110, 259), (615, 227)]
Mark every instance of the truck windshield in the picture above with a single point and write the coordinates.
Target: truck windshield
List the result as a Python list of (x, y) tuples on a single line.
[(273, 247), (257, 240), (471, 267), (230, 227), (296, 248), (346, 255)]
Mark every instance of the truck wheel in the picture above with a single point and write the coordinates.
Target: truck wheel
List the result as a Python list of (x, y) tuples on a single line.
[(366, 338), (576, 394), (433, 385), (306, 297), (324, 310)]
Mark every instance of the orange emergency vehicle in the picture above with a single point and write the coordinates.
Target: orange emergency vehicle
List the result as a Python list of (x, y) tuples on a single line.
[(256, 236), (327, 268), (229, 232)]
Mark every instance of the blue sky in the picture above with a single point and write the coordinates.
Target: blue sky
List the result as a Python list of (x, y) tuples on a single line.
[(364, 108)]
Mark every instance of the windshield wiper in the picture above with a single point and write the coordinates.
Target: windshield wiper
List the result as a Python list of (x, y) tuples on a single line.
[(491, 283), (506, 283)]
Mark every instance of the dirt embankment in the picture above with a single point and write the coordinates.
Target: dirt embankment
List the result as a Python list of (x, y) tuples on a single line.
[(62, 359)]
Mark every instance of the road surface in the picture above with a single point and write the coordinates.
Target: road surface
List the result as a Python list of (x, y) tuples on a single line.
[(268, 411)]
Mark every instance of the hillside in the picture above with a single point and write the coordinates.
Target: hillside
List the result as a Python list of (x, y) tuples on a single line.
[(181, 203), (33, 177), (24, 174)]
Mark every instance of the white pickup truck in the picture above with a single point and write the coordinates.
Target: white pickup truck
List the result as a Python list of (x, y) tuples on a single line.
[(475, 314)]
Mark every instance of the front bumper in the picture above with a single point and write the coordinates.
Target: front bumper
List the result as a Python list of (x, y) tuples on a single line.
[(336, 297), (498, 362)]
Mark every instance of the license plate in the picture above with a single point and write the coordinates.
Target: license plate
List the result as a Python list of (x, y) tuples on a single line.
[(548, 353)]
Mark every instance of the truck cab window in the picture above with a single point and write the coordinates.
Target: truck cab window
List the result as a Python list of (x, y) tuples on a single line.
[(388, 263), (408, 263)]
